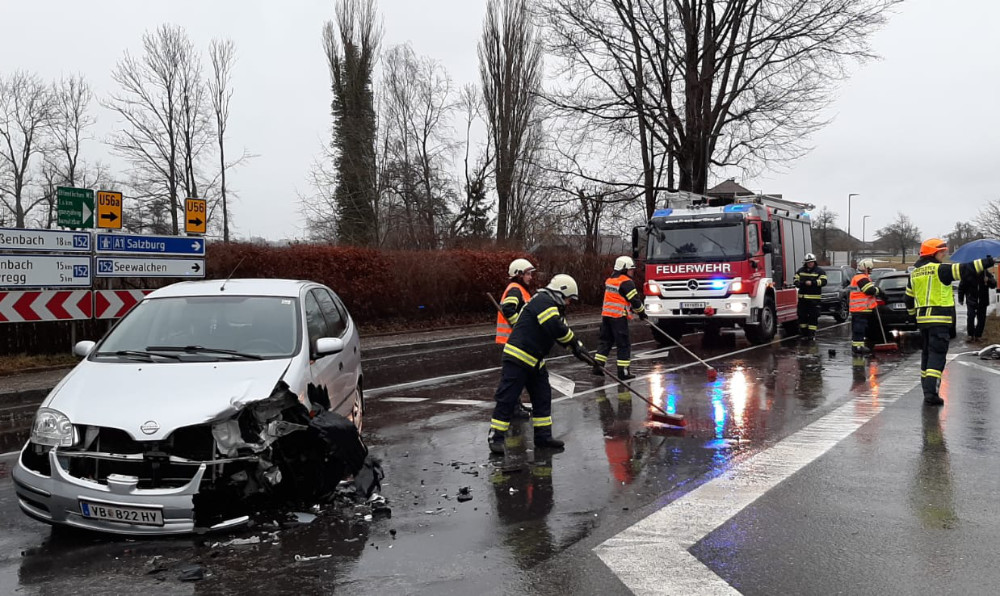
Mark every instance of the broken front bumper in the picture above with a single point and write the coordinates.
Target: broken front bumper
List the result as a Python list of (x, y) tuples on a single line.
[(56, 499)]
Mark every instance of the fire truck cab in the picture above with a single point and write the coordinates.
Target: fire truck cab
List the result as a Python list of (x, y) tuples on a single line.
[(713, 263)]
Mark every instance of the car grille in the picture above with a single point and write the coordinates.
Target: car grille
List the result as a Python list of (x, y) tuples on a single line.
[(154, 468)]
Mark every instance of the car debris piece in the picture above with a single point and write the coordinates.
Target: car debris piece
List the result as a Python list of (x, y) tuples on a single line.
[(368, 479), (301, 558), (191, 573), (464, 494), (304, 518), (238, 542)]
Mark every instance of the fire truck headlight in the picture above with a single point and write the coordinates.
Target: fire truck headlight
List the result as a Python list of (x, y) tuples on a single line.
[(652, 288), (736, 306), (654, 307), (737, 285)]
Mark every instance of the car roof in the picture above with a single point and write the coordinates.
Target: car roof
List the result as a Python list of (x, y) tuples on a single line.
[(892, 275), (286, 288)]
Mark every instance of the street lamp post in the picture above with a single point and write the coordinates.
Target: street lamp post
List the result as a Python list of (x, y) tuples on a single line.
[(864, 235), (849, 238)]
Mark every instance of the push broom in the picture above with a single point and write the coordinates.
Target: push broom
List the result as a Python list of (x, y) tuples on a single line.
[(888, 346)]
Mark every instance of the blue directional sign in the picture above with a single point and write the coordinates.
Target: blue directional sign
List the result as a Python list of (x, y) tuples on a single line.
[(150, 245)]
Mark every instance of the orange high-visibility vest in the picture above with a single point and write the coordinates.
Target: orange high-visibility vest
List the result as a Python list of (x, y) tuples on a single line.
[(615, 305), (860, 302), (504, 328)]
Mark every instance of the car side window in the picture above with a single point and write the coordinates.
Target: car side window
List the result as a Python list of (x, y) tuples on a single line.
[(752, 241), (336, 324), (314, 320)]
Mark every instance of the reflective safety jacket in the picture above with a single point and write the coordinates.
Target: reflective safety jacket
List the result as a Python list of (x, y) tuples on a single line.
[(619, 294), (542, 323), (928, 292), (817, 276), (511, 302), (863, 292)]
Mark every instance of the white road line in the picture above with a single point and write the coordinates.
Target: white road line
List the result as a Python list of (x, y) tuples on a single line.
[(464, 402), (651, 556), (978, 367), (405, 400)]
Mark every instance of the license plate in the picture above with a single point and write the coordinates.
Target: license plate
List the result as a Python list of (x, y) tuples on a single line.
[(897, 306), (692, 305), (139, 516)]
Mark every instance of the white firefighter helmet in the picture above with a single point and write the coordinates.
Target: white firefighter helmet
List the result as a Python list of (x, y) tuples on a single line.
[(866, 264), (624, 263), (519, 267), (809, 258), (565, 285)]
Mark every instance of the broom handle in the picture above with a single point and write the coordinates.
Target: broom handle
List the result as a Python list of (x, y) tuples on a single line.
[(668, 336)]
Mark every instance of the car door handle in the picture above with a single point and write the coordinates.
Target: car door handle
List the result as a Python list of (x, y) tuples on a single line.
[(341, 367)]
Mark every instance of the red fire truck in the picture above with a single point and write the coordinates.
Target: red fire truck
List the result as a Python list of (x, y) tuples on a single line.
[(712, 263)]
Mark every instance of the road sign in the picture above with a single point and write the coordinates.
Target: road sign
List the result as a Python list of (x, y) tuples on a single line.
[(17, 239), (150, 245), (148, 267), (33, 271), (195, 216), (74, 207), (109, 210), (65, 305), (115, 304)]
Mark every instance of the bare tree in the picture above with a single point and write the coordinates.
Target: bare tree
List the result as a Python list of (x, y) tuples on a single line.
[(472, 219), (963, 233), (27, 109), (351, 45), (195, 121), (705, 82), (223, 56), (824, 221), (900, 235), (152, 102), (510, 68), (72, 96), (988, 219)]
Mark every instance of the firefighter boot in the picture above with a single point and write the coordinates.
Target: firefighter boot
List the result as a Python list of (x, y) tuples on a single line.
[(931, 397), (624, 374), (496, 440), (545, 440)]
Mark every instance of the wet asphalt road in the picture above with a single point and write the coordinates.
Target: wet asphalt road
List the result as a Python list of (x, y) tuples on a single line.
[(904, 505)]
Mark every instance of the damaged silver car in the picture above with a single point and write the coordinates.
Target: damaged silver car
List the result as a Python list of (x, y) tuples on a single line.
[(208, 400)]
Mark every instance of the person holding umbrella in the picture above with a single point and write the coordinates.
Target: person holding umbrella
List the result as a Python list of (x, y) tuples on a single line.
[(975, 292)]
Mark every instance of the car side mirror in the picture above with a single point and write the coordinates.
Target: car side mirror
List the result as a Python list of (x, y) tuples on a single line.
[(845, 283), (768, 248), (326, 346), (754, 265), (83, 348)]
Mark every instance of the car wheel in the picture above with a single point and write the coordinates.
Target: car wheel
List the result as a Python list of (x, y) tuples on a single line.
[(840, 315), (358, 410)]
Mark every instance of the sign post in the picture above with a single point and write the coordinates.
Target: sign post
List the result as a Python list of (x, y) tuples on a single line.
[(109, 210), (74, 207), (195, 216)]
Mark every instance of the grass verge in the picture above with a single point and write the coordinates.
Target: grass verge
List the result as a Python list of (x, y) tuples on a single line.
[(27, 362)]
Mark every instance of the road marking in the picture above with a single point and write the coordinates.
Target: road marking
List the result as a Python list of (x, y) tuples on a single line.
[(978, 367), (405, 400), (465, 402), (651, 556)]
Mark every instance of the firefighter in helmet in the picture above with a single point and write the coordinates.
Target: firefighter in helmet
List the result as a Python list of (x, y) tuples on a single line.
[(620, 295), (514, 297), (930, 297), (542, 323), (864, 293), (809, 279)]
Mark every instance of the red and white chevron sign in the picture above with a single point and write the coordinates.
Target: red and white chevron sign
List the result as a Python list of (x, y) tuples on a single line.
[(49, 305), (114, 304)]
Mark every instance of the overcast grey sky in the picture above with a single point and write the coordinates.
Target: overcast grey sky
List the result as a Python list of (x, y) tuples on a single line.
[(916, 132)]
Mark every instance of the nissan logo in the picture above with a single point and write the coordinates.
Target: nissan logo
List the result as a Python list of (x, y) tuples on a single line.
[(693, 284), (149, 427)]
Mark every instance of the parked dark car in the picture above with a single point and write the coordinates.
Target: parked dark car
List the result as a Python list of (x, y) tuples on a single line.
[(880, 272), (893, 312), (836, 295)]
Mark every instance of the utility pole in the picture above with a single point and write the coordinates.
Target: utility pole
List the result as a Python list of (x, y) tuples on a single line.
[(850, 239)]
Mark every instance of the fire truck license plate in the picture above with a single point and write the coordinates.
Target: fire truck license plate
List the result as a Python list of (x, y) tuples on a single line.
[(692, 305)]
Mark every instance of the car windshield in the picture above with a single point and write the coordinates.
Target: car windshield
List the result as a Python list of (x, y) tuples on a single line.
[(894, 282), (206, 327), (878, 274), (834, 277), (697, 242)]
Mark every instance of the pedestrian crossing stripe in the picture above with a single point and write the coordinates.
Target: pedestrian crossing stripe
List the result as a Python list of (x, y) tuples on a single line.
[(405, 400), (465, 402)]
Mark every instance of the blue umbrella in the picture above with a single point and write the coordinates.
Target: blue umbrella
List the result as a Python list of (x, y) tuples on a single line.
[(977, 249)]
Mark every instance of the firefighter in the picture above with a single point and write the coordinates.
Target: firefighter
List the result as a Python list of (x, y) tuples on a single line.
[(809, 279), (542, 323), (930, 297), (513, 299), (862, 303), (620, 294)]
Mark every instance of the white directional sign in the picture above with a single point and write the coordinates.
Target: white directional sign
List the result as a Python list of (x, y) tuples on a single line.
[(34, 271), (17, 239), (148, 267)]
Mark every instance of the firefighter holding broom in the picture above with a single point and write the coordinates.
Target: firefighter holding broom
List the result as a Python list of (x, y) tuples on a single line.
[(620, 294)]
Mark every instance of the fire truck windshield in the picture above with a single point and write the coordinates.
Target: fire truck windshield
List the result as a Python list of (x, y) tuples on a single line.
[(715, 241)]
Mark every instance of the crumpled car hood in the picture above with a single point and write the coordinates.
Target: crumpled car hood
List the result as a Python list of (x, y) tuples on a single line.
[(172, 395)]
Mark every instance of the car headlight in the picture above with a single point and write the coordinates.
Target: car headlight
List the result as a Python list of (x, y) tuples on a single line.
[(53, 428)]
